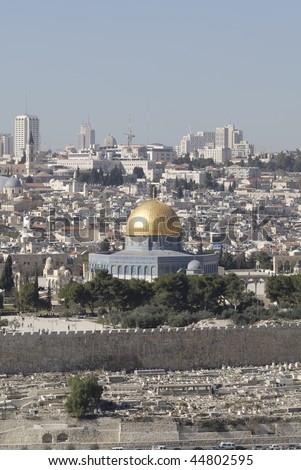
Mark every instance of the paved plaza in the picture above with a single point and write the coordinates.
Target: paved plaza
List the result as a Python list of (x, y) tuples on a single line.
[(42, 324)]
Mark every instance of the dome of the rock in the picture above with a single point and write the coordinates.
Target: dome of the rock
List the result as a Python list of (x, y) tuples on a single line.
[(153, 218)]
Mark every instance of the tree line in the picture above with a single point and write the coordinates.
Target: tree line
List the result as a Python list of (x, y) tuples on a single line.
[(114, 177), (171, 299)]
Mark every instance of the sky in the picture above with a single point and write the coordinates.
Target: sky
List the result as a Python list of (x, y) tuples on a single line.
[(161, 67)]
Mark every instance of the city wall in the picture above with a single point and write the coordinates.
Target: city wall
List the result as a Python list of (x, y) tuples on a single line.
[(173, 348)]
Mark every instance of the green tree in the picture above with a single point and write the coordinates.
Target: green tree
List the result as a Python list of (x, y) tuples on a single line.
[(227, 260), (105, 289), (7, 278), (114, 177), (171, 290), (180, 192), (73, 294), (138, 292), (234, 290), (214, 291), (196, 292), (48, 299), (265, 260), (85, 395), (28, 296), (138, 171), (281, 289), (23, 158), (104, 246)]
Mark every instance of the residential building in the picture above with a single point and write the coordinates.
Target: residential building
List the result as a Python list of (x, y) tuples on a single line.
[(227, 136), (218, 154), (24, 126), (86, 136), (161, 153), (191, 142), (242, 150), (6, 144)]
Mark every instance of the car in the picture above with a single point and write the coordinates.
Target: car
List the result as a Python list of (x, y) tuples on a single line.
[(293, 447), (275, 447), (257, 447), (226, 445)]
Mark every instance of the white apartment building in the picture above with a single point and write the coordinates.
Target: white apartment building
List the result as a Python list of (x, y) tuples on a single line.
[(133, 151), (24, 126), (227, 136), (129, 164), (160, 153), (239, 172), (197, 177), (242, 150), (6, 145), (83, 161), (218, 154), (86, 136), (191, 142)]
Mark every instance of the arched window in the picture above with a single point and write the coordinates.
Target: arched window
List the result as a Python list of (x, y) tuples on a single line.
[(62, 437), (47, 438), (140, 272), (127, 271), (280, 267)]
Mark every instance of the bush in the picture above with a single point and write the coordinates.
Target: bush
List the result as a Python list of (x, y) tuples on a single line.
[(182, 319), (251, 315)]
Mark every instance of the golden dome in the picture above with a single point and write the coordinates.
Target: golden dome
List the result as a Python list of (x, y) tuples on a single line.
[(153, 217)]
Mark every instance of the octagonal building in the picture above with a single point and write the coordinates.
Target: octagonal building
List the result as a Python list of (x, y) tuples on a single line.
[(153, 246)]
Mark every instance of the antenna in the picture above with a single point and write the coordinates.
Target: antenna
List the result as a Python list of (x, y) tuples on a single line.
[(26, 103), (147, 125)]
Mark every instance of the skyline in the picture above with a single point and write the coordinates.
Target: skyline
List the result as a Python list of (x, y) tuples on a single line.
[(167, 66)]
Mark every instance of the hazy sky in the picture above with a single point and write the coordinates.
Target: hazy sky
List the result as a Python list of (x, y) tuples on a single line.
[(169, 65)]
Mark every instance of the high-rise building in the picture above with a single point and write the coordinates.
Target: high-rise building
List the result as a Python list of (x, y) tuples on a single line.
[(24, 126), (227, 136), (222, 137), (86, 136), (6, 144), (191, 142)]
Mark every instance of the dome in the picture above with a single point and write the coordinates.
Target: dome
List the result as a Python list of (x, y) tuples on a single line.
[(194, 265), (49, 261), (13, 183), (110, 141), (151, 218)]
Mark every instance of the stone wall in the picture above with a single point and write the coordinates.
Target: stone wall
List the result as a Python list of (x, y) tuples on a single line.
[(173, 349)]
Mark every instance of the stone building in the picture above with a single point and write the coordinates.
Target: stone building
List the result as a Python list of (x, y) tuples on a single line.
[(153, 246)]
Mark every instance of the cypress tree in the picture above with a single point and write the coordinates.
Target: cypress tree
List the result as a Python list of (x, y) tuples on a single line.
[(7, 278)]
